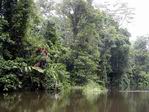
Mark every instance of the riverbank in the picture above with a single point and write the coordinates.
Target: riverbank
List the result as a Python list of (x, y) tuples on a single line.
[(91, 88)]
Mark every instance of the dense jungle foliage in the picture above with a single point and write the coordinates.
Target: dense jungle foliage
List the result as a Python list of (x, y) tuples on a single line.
[(51, 46)]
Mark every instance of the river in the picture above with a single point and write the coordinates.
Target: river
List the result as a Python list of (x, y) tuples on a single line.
[(75, 101)]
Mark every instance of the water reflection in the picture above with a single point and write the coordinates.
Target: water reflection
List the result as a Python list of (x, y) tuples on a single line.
[(75, 101)]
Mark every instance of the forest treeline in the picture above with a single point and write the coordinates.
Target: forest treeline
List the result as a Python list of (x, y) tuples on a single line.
[(52, 46)]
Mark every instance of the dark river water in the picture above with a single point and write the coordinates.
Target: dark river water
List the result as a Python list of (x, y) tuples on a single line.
[(75, 101)]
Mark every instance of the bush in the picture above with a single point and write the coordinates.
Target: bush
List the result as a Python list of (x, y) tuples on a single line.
[(56, 77)]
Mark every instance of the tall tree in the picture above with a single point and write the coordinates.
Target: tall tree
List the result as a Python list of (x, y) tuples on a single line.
[(140, 63), (84, 43), (17, 15)]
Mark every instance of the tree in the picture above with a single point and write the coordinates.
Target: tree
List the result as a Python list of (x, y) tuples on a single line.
[(140, 65), (46, 7), (120, 11), (84, 43), (71, 41), (17, 15)]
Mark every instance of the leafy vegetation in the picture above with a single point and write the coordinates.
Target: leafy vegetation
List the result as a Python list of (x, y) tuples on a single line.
[(67, 44), (140, 63)]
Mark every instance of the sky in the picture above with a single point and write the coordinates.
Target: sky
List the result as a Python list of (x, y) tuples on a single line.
[(140, 24)]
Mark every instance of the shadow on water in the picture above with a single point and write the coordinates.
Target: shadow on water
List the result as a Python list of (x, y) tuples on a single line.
[(75, 101)]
